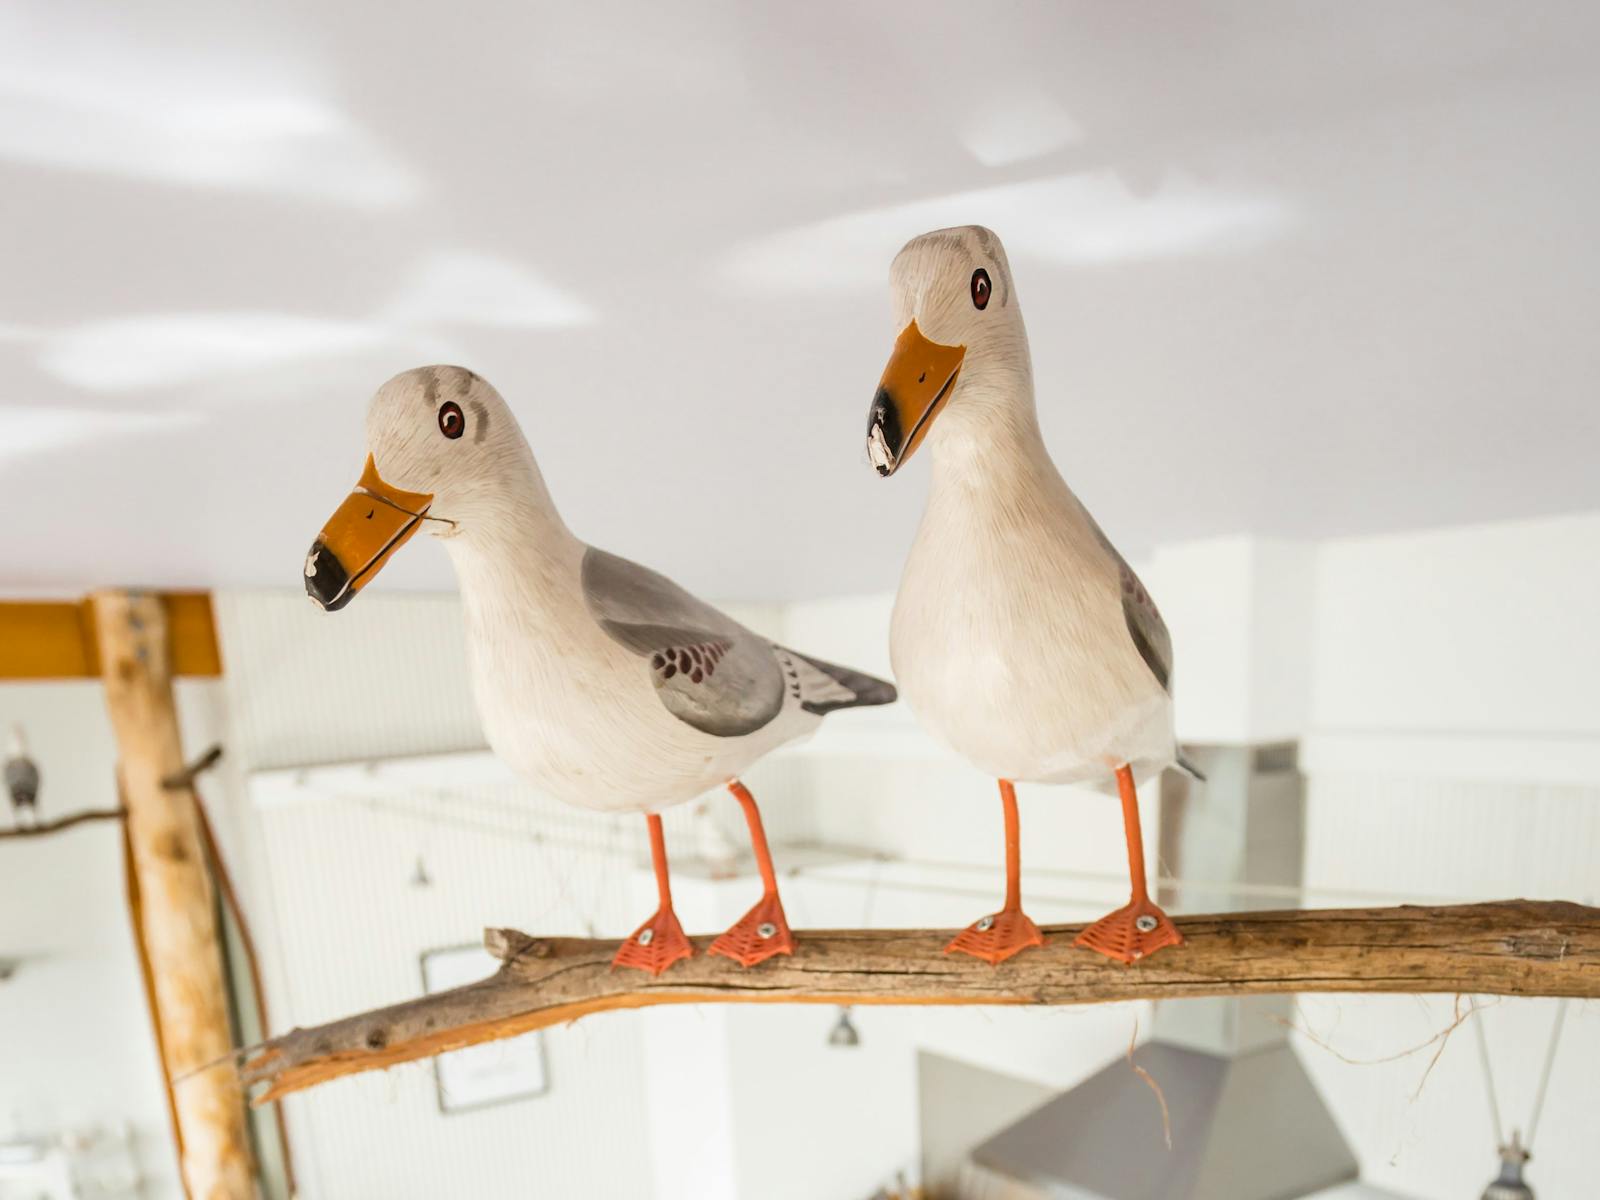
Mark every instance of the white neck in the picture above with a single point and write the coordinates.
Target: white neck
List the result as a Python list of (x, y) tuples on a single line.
[(512, 551), (988, 435)]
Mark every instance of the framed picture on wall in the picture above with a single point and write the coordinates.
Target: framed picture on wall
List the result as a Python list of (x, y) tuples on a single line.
[(494, 1072)]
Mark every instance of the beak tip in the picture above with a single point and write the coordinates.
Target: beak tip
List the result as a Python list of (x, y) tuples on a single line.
[(327, 582), (883, 435)]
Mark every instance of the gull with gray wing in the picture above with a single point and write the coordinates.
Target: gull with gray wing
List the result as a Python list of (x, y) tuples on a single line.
[(1022, 639), (601, 681)]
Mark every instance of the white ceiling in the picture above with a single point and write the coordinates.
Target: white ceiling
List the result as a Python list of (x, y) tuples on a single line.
[(1296, 269)]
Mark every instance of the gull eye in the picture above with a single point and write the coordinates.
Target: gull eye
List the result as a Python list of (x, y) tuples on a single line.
[(451, 423), (980, 289)]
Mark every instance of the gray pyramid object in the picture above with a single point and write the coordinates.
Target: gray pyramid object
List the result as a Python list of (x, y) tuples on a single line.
[(1244, 1127)]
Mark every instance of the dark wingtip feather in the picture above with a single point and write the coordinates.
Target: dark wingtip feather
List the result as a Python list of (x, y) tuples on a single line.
[(869, 690)]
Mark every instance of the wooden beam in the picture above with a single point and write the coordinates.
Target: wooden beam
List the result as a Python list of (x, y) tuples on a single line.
[(177, 911), (57, 640), (1517, 948)]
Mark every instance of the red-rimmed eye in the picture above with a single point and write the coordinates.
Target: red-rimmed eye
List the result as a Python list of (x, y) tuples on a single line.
[(451, 423), (980, 289)]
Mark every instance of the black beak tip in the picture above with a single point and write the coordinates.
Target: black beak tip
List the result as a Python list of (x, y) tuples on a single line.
[(327, 582), (883, 434)]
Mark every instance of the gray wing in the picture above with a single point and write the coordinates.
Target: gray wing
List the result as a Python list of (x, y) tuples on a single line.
[(708, 670), (1145, 626)]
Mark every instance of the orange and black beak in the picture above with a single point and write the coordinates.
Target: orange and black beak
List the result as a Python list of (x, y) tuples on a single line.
[(374, 521), (915, 385)]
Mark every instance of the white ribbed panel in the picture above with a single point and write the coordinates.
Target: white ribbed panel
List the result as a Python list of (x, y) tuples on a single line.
[(353, 926), (386, 676), (1435, 838)]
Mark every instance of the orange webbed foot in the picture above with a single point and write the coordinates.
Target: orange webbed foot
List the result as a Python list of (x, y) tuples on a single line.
[(997, 937), (759, 935), (1135, 931), (655, 945)]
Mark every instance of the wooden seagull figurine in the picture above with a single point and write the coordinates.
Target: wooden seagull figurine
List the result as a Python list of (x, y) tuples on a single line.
[(601, 682), (1021, 638), (22, 781)]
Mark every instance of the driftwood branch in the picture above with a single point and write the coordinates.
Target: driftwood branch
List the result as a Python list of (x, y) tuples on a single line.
[(1517, 948), (67, 822)]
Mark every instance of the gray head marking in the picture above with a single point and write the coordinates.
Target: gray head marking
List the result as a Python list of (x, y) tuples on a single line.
[(433, 378), (948, 239), (479, 410)]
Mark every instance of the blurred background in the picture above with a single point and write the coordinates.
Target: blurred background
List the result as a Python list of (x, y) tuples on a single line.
[(1311, 290)]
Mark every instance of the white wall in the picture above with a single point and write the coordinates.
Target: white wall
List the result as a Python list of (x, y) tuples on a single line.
[(1485, 631), (76, 1046)]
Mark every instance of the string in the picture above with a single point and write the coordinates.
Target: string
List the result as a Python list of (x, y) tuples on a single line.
[(1488, 1079), (402, 508), (1074, 875), (614, 845), (1544, 1076), (1549, 1065)]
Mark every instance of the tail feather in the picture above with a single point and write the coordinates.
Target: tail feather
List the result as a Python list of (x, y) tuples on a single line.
[(1185, 765), (841, 688)]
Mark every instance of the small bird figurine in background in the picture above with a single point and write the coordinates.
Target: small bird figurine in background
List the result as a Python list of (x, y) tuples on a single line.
[(22, 780), (603, 683), (1020, 637)]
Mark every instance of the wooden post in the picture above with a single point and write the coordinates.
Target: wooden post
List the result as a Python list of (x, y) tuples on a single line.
[(178, 919)]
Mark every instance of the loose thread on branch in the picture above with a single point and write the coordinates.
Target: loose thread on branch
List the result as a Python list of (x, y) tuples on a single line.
[(1161, 1098), (1439, 1040)]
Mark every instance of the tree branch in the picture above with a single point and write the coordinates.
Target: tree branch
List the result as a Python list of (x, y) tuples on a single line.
[(1516, 947), (56, 826)]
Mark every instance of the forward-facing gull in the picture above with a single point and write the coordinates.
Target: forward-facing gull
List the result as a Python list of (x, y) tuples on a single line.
[(1020, 637), (603, 683)]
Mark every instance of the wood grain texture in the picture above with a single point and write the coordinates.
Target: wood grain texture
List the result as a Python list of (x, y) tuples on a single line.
[(175, 918), (1517, 947)]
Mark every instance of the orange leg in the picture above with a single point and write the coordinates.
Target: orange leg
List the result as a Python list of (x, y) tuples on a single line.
[(659, 942), (997, 937), (1139, 928), (763, 931)]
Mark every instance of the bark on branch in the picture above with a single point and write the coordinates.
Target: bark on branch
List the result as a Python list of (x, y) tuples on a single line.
[(1515, 947)]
